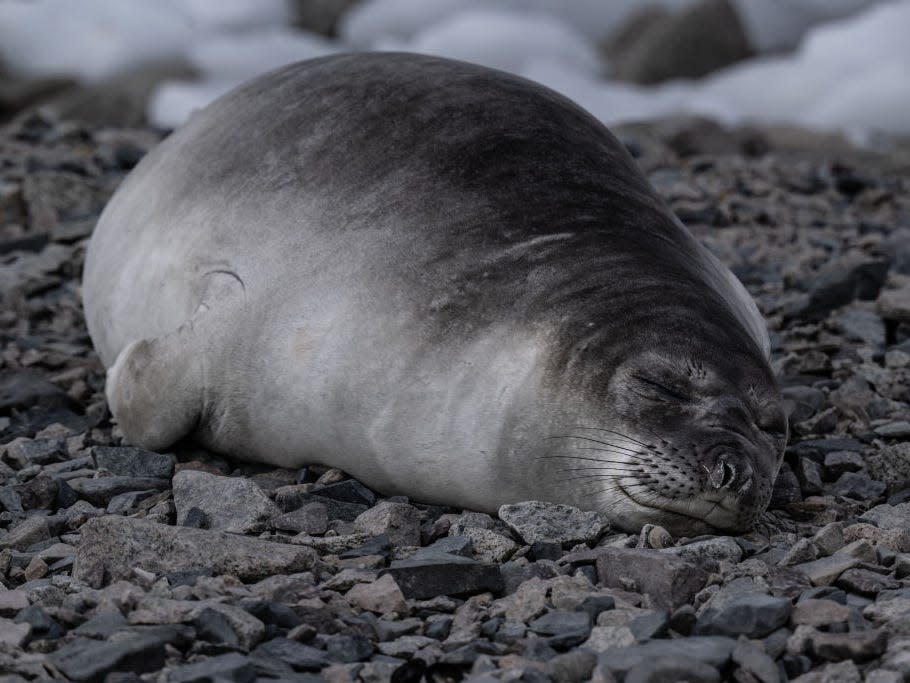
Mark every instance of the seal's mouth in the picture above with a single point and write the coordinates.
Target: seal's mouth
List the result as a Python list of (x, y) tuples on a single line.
[(707, 513)]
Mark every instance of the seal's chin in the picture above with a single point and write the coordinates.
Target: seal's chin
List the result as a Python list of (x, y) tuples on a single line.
[(705, 514)]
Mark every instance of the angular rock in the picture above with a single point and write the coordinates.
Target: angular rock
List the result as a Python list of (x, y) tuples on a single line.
[(298, 656), (752, 615), (859, 486), (116, 545), (101, 490), (814, 612), (865, 582), (12, 601), (712, 549), (857, 646), (129, 461), (537, 521), (424, 579), (382, 596), (399, 521), (84, 660), (888, 516), (715, 651), (824, 571), (230, 668), (229, 503), (347, 491), (488, 545), (670, 581), (311, 519), (26, 533), (14, 635)]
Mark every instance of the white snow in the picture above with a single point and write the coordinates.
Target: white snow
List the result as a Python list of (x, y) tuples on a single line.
[(503, 40), (847, 68)]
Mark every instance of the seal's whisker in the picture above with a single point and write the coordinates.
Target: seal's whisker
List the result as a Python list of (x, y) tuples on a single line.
[(612, 431), (585, 438), (579, 457)]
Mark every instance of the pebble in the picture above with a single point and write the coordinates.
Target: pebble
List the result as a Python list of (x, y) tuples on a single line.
[(399, 521), (381, 596), (670, 581), (128, 461), (229, 503), (752, 615), (114, 545), (535, 521)]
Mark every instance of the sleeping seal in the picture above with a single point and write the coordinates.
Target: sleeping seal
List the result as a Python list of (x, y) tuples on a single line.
[(448, 281)]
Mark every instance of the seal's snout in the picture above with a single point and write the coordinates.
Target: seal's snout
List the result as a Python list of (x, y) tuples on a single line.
[(730, 474)]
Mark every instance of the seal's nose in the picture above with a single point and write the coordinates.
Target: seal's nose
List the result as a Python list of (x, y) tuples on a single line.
[(732, 475)]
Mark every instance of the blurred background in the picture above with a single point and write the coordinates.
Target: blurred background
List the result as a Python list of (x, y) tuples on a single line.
[(838, 66)]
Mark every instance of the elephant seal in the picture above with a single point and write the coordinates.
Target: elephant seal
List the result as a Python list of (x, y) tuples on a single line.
[(448, 281)]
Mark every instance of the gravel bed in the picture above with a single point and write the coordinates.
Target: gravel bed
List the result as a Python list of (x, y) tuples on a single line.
[(118, 564)]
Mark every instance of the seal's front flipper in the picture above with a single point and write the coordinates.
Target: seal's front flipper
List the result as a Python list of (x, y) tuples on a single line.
[(154, 390), (156, 387)]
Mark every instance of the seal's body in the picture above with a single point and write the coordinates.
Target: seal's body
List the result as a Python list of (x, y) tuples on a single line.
[(448, 281)]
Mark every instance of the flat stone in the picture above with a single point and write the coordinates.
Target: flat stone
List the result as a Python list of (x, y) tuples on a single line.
[(11, 601), (714, 651), (347, 491), (453, 575), (101, 490), (572, 667), (712, 549), (672, 669), (333, 545), (753, 615), (298, 656), (819, 613), (229, 503), (754, 660), (802, 551), (572, 628), (894, 430), (670, 581), (380, 545), (858, 486), (888, 516), (335, 509), (311, 519), (537, 521), (382, 596), (489, 546), (117, 544), (829, 539), (14, 635), (129, 461), (26, 533), (838, 462), (865, 582), (824, 571), (856, 646), (399, 521), (87, 660), (345, 648), (227, 668)]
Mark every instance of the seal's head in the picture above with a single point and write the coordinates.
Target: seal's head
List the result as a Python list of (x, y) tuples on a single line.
[(687, 436)]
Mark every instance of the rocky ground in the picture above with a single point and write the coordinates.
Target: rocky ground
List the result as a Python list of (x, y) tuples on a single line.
[(116, 563)]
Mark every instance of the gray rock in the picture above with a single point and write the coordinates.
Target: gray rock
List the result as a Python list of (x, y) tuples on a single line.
[(714, 651), (752, 615), (670, 581), (488, 545), (844, 279), (128, 461), (752, 659), (399, 521), (335, 509), (311, 519), (26, 533), (348, 648), (672, 669), (712, 549), (576, 625), (894, 430), (347, 491), (857, 646), (839, 462), (229, 503), (802, 402), (824, 571), (428, 578), (86, 660), (298, 656), (894, 302), (858, 486), (862, 325), (101, 490), (115, 545), (537, 521), (228, 668), (572, 667), (888, 516)]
